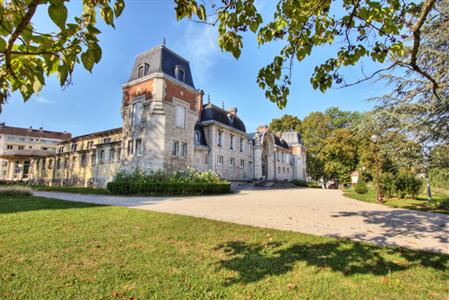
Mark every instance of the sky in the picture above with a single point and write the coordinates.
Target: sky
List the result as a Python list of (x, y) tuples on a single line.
[(92, 102)]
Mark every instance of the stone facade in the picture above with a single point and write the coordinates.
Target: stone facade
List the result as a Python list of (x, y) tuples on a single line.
[(165, 125)]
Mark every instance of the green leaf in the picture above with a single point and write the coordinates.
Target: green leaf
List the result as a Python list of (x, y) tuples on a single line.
[(88, 59), (96, 50), (2, 45), (118, 7), (58, 14)]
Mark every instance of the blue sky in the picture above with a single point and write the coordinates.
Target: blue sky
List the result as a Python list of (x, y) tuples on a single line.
[(92, 102)]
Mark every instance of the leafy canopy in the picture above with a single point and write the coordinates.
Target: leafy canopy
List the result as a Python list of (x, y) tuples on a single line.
[(28, 56), (375, 30)]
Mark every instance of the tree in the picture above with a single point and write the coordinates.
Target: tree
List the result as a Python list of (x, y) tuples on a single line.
[(342, 119), (286, 123), (27, 56), (315, 129), (364, 29), (339, 155), (412, 108)]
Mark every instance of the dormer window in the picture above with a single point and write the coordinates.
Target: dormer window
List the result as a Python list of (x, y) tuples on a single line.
[(146, 69), (179, 73), (140, 72), (143, 70)]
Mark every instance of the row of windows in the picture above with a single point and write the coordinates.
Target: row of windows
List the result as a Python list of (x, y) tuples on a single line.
[(284, 169), (231, 141), (144, 69), (89, 145), (135, 146), (179, 151), (65, 163), (22, 147), (23, 139), (220, 161)]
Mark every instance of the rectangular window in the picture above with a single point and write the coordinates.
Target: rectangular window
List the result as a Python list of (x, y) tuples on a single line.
[(242, 163), (184, 150), (138, 146), (101, 156), (180, 116), (46, 148), (137, 113), (74, 145), (93, 159), (83, 160), (119, 153), (241, 144), (220, 159), (220, 137), (5, 163), (58, 163), (66, 163), (21, 147), (130, 147), (232, 161), (175, 147), (231, 141), (9, 147), (111, 154), (206, 159)]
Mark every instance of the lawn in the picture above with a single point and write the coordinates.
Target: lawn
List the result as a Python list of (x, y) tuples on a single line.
[(52, 249), (420, 203)]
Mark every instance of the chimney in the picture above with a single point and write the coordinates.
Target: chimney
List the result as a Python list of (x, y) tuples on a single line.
[(262, 128), (30, 129), (41, 129), (232, 111)]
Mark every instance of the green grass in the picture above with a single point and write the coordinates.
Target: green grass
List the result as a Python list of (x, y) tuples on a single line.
[(53, 249), (70, 189), (420, 203)]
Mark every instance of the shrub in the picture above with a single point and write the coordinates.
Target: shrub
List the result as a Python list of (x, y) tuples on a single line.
[(314, 185), (361, 187), (15, 191), (440, 204), (300, 183), (400, 185), (188, 175), (387, 181), (167, 188), (72, 189), (183, 182), (414, 185)]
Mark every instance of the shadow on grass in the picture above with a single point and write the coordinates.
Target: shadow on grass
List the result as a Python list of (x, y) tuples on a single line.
[(255, 261), (24, 204)]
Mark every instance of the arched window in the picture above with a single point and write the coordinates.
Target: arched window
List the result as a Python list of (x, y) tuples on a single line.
[(179, 74), (140, 72)]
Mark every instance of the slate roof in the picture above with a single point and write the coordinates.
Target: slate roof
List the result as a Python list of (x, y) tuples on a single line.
[(211, 112), (280, 142), (162, 60), (34, 132)]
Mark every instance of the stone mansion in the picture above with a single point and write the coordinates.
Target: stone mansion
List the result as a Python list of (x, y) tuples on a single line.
[(166, 125)]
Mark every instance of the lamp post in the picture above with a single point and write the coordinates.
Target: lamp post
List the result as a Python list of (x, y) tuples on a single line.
[(375, 139)]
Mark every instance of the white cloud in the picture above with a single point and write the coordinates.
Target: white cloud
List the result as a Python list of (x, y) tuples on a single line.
[(201, 49), (43, 100)]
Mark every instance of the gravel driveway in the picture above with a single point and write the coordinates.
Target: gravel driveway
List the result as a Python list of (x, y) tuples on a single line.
[(314, 211)]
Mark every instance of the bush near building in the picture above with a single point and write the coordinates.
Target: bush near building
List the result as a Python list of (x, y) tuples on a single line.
[(401, 185), (361, 187), (15, 191), (185, 182)]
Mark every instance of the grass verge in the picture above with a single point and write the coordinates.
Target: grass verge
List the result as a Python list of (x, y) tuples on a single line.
[(420, 203), (54, 249)]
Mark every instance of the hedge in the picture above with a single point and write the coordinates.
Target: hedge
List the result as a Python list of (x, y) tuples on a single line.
[(71, 189), (167, 188)]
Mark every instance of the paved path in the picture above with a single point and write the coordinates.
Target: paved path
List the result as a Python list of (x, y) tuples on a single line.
[(314, 211)]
